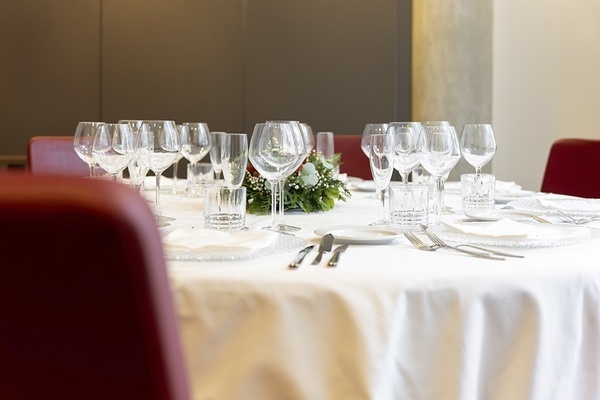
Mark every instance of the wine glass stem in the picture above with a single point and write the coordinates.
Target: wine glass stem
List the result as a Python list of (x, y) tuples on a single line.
[(281, 218), (404, 178), (273, 204), (157, 198), (477, 171), (175, 170), (91, 170), (382, 212), (438, 198)]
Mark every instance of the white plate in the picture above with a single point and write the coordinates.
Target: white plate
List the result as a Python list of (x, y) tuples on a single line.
[(498, 214), (359, 234)]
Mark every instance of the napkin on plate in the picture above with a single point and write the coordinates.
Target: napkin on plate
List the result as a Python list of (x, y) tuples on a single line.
[(501, 187), (504, 228), (570, 204), (185, 239)]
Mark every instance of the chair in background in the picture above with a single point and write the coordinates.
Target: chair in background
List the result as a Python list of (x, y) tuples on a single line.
[(573, 168), (354, 161), (54, 155), (85, 307)]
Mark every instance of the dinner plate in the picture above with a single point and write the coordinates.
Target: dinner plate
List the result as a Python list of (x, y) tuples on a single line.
[(498, 214), (359, 234)]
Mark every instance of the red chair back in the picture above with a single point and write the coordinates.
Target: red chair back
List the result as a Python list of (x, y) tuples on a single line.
[(354, 161), (572, 168), (54, 155), (85, 306)]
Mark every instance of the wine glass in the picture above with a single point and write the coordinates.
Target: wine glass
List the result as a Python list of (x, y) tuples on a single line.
[(195, 141), (381, 159), (113, 148), (234, 158), (406, 146), (371, 129), (478, 145), (136, 168), (176, 163), (84, 140), (273, 151), (158, 146), (304, 143), (439, 153), (216, 139), (307, 135)]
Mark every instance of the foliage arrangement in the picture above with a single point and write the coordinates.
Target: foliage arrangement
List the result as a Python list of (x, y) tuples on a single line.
[(312, 187)]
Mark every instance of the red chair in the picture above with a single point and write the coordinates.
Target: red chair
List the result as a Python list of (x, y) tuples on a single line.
[(85, 306), (572, 168), (354, 161), (54, 155)]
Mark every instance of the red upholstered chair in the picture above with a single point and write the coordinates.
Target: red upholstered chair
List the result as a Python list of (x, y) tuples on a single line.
[(85, 307), (54, 155), (354, 161), (572, 168)]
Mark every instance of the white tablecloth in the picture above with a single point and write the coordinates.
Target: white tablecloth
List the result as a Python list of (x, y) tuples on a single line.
[(390, 322)]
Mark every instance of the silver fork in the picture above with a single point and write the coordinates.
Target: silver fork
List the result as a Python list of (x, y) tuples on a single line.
[(439, 242), (419, 244), (579, 221)]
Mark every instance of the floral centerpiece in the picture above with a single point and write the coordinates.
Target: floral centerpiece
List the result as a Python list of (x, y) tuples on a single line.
[(312, 187)]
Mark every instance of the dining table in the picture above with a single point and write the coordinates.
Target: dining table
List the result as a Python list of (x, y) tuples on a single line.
[(390, 321)]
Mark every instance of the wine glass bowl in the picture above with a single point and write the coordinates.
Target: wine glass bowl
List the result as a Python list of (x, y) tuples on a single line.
[(113, 148), (216, 140), (195, 141), (83, 142), (478, 145), (371, 129), (406, 146)]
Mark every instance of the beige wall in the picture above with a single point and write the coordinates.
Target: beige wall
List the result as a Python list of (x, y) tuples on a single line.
[(336, 64), (546, 81)]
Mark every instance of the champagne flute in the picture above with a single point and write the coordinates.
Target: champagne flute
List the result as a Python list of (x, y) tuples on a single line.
[(439, 153), (234, 158), (195, 142), (406, 147), (83, 142), (158, 146), (113, 148), (371, 129), (273, 150), (216, 139), (478, 145), (381, 159)]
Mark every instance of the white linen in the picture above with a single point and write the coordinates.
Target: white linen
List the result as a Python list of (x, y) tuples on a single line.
[(504, 228), (390, 322)]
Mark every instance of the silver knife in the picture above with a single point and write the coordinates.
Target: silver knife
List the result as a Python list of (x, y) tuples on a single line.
[(298, 260), (336, 255), (324, 247)]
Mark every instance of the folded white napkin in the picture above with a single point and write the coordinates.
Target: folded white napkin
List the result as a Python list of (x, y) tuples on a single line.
[(570, 204), (205, 239), (504, 228)]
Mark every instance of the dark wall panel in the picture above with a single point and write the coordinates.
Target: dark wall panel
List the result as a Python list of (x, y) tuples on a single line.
[(49, 68)]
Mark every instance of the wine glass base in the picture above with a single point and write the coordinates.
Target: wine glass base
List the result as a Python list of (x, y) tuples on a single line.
[(380, 223), (162, 220), (278, 229)]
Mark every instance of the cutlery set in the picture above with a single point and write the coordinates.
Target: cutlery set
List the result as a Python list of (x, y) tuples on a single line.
[(325, 246), (438, 243)]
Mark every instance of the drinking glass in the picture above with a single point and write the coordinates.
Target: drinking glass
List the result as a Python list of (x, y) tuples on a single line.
[(478, 145), (381, 159), (234, 158), (158, 146), (216, 139), (406, 146), (84, 140), (439, 153), (273, 151), (113, 148), (371, 129), (307, 135)]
